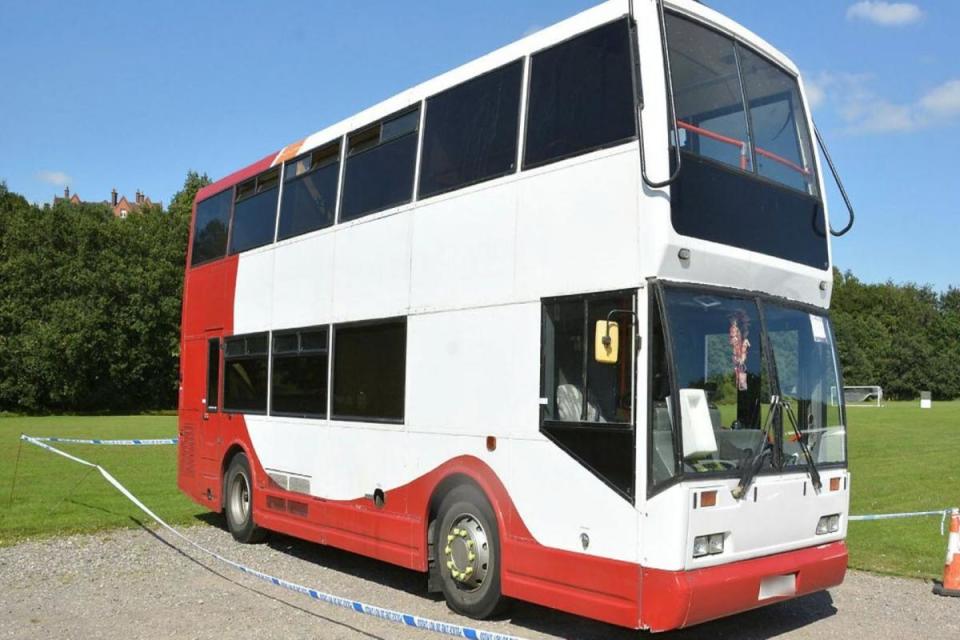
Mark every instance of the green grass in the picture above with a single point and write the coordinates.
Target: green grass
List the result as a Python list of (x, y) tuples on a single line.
[(54, 496), (902, 458)]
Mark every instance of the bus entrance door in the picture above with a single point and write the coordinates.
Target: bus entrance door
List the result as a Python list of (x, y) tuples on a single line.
[(200, 415)]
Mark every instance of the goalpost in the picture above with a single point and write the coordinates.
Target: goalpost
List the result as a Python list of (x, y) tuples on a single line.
[(863, 396)]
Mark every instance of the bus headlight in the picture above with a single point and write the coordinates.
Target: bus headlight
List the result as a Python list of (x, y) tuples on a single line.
[(828, 524), (707, 545)]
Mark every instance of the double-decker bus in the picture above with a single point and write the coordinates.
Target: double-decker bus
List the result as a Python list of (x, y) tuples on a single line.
[(551, 326)]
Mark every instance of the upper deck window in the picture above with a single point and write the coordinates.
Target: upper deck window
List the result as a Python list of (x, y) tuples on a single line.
[(210, 228), (783, 148), (714, 77), (748, 178), (470, 133), (380, 165), (309, 192), (255, 212), (581, 96)]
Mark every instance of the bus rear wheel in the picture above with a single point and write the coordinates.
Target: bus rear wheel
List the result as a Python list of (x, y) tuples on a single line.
[(467, 549), (238, 501)]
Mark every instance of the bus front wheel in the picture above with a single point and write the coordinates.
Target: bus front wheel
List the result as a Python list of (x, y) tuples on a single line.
[(467, 549), (239, 501)]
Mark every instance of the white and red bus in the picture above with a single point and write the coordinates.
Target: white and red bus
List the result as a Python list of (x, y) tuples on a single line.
[(551, 326)]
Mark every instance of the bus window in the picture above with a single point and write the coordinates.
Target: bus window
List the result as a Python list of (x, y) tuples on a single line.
[(245, 374), (663, 465), (581, 96), (369, 371), (309, 192), (470, 131), (717, 343), (211, 227), (213, 374), (587, 406), (299, 378), (255, 212), (783, 148), (711, 121), (806, 368), (577, 387), (380, 165)]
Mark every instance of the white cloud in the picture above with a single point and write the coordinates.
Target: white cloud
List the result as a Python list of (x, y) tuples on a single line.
[(886, 14), (56, 178), (943, 100), (864, 110), (815, 93)]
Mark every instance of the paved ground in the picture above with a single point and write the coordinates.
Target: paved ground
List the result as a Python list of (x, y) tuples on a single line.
[(133, 584)]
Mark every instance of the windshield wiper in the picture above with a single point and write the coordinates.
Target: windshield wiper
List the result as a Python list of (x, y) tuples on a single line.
[(752, 465), (811, 466)]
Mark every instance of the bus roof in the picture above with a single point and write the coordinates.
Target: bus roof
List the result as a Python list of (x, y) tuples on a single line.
[(532, 43)]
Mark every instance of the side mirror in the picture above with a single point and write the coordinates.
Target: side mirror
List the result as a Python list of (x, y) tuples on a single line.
[(606, 342)]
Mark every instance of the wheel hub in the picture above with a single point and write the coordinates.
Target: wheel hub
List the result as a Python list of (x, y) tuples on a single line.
[(239, 498), (467, 553)]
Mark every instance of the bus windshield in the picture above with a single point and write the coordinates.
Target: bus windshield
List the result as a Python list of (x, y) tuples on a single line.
[(719, 352), (736, 108)]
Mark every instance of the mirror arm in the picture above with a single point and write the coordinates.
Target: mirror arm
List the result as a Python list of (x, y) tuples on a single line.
[(836, 178), (606, 338)]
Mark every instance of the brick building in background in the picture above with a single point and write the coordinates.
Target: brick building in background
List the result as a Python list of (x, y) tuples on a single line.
[(119, 204)]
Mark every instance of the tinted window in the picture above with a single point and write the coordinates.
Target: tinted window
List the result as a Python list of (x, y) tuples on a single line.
[(299, 382), (581, 95), (713, 203), (213, 374), (780, 133), (369, 371), (711, 121), (380, 166), (245, 374), (309, 192), (576, 386), (470, 132), (589, 405), (255, 212), (210, 230)]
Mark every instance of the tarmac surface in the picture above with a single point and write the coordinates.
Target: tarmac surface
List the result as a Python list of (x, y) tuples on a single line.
[(140, 583)]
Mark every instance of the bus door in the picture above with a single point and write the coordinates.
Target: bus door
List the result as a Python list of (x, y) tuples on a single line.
[(201, 439)]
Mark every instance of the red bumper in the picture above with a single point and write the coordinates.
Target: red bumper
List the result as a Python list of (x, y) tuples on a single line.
[(673, 599)]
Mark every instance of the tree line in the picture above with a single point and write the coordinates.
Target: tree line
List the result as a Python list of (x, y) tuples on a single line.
[(90, 312), (903, 337), (90, 304)]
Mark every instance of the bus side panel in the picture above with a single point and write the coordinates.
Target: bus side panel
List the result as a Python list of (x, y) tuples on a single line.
[(581, 584)]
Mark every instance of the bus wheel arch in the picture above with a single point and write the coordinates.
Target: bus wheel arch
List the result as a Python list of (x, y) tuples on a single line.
[(464, 547)]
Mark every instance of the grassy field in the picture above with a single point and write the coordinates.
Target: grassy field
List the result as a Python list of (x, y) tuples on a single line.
[(54, 496), (902, 458)]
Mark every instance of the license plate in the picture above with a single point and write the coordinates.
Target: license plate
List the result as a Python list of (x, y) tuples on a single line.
[(778, 586)]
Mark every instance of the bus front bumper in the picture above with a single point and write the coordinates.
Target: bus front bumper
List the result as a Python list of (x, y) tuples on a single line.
[(673, 599)]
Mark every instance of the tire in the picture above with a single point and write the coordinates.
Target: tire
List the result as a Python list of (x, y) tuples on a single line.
[(467, 549), (238, 503)]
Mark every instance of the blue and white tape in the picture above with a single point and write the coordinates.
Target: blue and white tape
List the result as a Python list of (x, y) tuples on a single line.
[(399, 617), (908, 514), (138, 441)]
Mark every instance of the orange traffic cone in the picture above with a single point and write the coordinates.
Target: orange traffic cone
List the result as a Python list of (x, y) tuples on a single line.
[(951, 572)]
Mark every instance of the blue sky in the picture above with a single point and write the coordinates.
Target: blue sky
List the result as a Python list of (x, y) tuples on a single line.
[(100, 95)]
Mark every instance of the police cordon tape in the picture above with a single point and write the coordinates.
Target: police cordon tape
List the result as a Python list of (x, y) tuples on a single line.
[(390, 615), (943, 513), (138, 441)]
